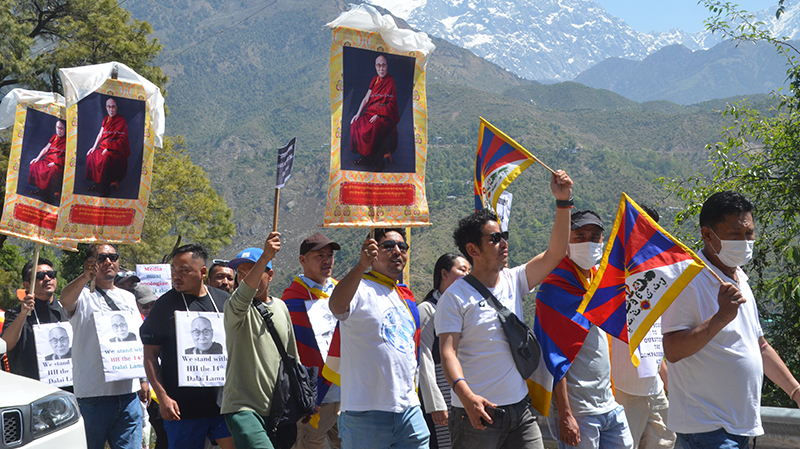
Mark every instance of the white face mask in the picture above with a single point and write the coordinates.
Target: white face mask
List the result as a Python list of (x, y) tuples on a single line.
[(735, 253), (585, 254)]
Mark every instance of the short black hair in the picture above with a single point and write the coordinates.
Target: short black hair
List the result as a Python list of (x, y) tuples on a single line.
[(721, 204), (381, 233), (651, 211), (218, 264), (197, 250), (470, 230), (26, 270)]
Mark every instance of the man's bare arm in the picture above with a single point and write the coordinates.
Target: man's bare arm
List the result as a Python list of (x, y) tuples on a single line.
[(13, 330), (474, 405), (776, 370), (167, 406), (568, 430), (685, 343), (346, 288), (70, 294), (543, 264)]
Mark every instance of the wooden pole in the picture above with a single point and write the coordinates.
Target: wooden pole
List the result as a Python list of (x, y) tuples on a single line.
[(275, 212), (92, 282), (32, 285), (713, 273), (544, 165)]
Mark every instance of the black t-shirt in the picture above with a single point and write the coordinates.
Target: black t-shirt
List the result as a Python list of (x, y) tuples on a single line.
[(159, 329), (22, 359)]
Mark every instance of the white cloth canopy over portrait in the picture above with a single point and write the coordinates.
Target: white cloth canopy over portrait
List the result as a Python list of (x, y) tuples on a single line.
[(54, 353), (115, 119), (202, 354), (379, 122), (35, 165), (121, 350)]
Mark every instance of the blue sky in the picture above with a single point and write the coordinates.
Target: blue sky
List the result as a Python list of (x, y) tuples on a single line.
[(662, 15)]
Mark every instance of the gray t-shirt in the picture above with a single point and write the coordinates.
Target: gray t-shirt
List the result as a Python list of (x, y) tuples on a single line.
[(589, 377)]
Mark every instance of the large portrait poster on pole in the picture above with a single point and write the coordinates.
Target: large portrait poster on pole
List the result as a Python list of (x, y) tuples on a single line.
[(379, 120), (35, 164), (114, 122)]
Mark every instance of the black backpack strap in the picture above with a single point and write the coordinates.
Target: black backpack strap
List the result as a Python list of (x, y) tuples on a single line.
[(109, 301), (502, 311), (267, 315)]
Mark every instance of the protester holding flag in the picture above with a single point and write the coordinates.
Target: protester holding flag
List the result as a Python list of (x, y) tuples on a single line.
[(713, 340), (588, 414), (643, 396), (490, 406)]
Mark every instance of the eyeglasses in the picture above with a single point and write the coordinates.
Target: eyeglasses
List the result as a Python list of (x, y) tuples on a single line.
[(112, 257), (388, 245), (380, 64), (495, 237), (119, 326), (220, 262), (41, 274), (205, 333), (62, 340)]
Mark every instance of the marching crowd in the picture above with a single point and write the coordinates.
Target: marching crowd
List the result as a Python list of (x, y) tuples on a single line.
[(394, 373)]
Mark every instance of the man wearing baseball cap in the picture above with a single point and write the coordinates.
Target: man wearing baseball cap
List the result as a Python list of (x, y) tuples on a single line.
[(588, 414), (145, 298), (253, 357), (314, 326)]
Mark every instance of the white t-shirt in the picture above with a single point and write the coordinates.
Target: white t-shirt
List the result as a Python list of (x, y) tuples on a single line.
[(379, 362), (87, 362), (720, 385), (626, 376), (483, 349)]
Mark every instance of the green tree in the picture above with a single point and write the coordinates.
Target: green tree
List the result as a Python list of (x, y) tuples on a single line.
[(759, 156), (41, 36), (183, 208)]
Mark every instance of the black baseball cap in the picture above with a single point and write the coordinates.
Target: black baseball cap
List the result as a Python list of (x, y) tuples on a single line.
[(582, 218)]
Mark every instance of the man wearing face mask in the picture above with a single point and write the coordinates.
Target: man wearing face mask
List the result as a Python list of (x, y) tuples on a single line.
[(588, 414), (713, 341)]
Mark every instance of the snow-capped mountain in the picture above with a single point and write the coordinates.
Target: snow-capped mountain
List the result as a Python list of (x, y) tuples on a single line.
[(552, 39)]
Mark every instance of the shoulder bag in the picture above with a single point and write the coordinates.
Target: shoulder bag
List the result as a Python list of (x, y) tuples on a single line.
[(524, 346)]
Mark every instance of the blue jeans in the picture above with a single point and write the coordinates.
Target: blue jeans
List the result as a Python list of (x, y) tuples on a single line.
[(117, 419), (375, 429), (716, 439), (192, 433), (608, 431)]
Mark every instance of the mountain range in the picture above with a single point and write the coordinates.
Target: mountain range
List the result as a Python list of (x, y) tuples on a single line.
[(555, 40)]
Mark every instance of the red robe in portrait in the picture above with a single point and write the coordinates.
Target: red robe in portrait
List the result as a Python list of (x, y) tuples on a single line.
[(112, 166), (366, 137), (42, 176)]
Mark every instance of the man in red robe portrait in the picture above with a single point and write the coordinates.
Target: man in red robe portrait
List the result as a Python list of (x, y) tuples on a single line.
[(47, 169), (373, 130), (107, 160)]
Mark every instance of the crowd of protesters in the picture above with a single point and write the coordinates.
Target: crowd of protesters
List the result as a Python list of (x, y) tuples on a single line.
[(394, 373)]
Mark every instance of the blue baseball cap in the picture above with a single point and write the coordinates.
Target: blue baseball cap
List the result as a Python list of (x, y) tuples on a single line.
[(248, 255)]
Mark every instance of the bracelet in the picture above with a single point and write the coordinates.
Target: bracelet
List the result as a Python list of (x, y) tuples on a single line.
[(791, 395), (460, 379), (564, 204), (763, 345)]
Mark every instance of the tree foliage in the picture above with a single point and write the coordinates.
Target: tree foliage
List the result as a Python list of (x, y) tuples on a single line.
[(183, 208), (41, 36), (759, 156)]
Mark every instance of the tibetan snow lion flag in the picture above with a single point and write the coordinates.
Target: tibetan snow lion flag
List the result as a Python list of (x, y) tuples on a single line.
[(642, 271), (499, 161)]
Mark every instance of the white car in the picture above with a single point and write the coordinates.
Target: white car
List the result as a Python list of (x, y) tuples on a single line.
[(37, 415)]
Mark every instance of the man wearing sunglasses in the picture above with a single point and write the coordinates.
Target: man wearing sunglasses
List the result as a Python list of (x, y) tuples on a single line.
[(40, 307), (113, 411), (491, 408), (379, 326)]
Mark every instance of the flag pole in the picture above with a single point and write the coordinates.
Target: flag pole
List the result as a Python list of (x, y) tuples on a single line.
[(32, 286), (544, 165), (92, 282), (275, 211), (713, 273)]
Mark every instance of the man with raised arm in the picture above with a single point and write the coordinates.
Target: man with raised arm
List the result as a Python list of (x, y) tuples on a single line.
[(190, 414), (476, 356), (713, 342), (379, 326), (111, 408)]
